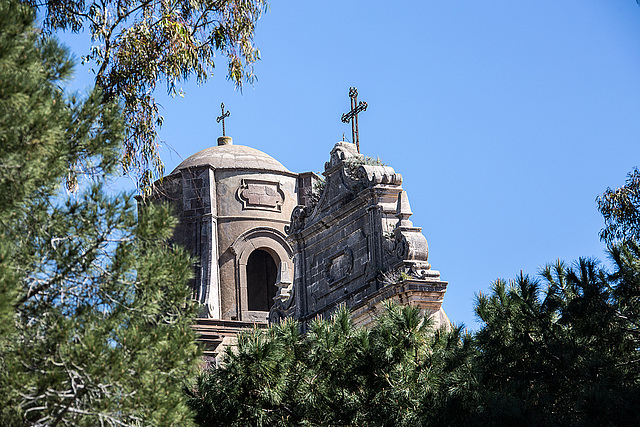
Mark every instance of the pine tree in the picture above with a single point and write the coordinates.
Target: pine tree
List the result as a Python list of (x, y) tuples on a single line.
[(562, 353), (94, 309), (400, 372)]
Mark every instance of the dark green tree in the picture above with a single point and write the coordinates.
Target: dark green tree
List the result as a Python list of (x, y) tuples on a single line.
[(400, 372), (626, 293), (562, 350), (561, 353), (94, 309)]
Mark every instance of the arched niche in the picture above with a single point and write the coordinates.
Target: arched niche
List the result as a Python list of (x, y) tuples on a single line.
[(267, 240), (262, 272)]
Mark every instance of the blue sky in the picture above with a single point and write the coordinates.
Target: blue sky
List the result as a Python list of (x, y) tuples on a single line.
[(506, 118)]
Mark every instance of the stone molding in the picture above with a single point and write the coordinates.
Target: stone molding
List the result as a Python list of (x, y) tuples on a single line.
[(273, 242), (426, 295), (273, 171), (247, 240), (376, 175)]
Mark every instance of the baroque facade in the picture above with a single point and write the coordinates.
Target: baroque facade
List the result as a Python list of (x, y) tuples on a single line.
[(271, 243)]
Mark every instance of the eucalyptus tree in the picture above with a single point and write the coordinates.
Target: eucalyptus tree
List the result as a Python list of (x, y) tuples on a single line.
[(620, 208), (138, 44)]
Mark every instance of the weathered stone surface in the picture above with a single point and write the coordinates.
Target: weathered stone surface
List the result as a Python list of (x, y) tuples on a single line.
[(232, 201), (351, 244), (231, 156), (359, 233)]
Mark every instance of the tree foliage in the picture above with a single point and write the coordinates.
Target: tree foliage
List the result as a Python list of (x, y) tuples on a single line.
[(141, 43), (562, 350), (559, 353), (620, 208), (400, 372), (94, 307)]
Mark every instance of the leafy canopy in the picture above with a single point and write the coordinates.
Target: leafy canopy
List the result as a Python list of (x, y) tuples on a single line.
[(140, 43), (620, 208)]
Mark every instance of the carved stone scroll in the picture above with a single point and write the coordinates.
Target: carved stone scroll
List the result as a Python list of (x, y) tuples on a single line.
[(298, 216), (283, 301), (411, 245)]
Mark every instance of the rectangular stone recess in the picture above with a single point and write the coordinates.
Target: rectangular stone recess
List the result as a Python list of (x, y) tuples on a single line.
[(339, 266), (260, 194)]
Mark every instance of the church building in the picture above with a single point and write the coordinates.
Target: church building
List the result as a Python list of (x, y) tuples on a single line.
[(271, 243)]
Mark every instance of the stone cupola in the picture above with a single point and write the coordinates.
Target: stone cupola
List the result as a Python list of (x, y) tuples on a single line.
[(234, 202)]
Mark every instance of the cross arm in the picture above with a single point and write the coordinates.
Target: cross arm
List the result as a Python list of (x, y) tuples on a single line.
[(346, 117)]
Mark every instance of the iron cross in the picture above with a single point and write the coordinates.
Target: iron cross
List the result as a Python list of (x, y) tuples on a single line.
[(353, 115), (221, 118)]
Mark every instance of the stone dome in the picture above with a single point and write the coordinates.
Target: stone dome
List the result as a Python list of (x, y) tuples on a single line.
[(232, 157)]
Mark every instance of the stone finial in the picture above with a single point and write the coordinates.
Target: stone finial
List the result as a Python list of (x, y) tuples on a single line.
[(403, 210), (225, 140), (342, 151)]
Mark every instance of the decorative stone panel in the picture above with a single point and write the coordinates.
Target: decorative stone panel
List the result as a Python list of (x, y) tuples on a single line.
[(339, 266), (261, 195)]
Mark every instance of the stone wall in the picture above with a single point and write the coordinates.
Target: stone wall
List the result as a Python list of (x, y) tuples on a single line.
[(357, 247), (352, 243)]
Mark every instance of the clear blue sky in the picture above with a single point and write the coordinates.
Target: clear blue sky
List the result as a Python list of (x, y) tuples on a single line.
[(506, 118)]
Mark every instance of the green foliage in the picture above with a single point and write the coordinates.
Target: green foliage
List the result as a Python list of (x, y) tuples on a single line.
[(33, 112), (352, 164), (392, 277), (138, 44), (400, 372), (94, 310), (562, 350), (621, 210), (559, 354), (317, 190)]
